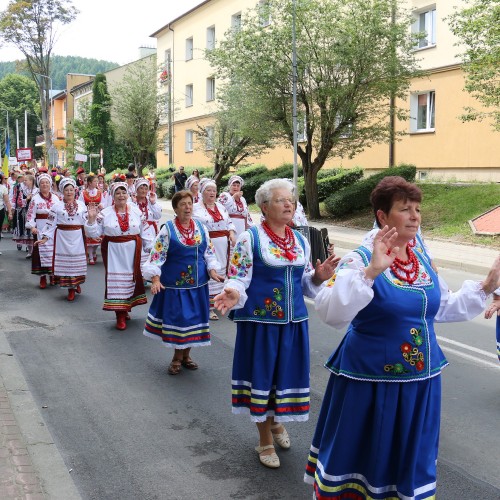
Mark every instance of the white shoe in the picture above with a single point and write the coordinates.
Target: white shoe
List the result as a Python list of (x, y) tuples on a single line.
[(272, 461), (282, 439)]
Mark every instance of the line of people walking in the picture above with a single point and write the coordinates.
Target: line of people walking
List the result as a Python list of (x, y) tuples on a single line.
[(378, 429)]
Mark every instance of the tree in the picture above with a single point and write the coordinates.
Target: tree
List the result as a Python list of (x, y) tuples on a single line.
[(136, 111), (477, 27), (233, 137), (17, 95), (346, 74), (31, 26), (100, 131)]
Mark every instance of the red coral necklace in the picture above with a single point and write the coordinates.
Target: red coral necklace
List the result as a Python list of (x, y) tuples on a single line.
[(123, 220), (215, 214), (286, 244), (71, 208), (409, 268), (187, 233)]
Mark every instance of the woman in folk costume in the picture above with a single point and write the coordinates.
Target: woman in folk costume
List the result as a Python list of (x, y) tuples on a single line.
[(221, 231), (193, 184), (92, 195), (378, 429), (121, 228), (269, 275), (493, 308), (147, 202), (64, 228), (102, 186), (180, 264), (22, 194), (236, 205), (38, 213)]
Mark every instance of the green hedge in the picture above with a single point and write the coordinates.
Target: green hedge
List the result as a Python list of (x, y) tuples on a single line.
[(357, 196)]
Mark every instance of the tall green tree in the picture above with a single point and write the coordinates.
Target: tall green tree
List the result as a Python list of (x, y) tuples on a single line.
[(136, 111), (230, 139), (32, 27), (17, 95), (345, 78), (477, 27), (100, 131)]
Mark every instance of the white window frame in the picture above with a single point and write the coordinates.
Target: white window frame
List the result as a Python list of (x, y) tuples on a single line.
[(416, 110), (189, 48), (189, 95), (168, 56), (211, 37), (425, 21), (188, 145), (264, 14), (209, 140), (301, 129), (210, 88), (236, 21)]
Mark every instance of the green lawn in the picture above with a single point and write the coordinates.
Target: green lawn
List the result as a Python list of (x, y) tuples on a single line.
[(446, 210)]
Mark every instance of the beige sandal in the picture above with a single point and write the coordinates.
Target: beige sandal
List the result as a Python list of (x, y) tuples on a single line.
[(272, 461), (282, 439), (213, 315)]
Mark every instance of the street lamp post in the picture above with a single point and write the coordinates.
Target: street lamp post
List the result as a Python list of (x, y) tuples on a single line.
[(51, 106)]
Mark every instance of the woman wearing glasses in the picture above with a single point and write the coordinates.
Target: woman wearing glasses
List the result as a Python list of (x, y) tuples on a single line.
[(269, 275)]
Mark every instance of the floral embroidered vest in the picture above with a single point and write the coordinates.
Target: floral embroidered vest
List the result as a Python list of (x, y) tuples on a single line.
[(393, 337), (185, 266), (275, 292)]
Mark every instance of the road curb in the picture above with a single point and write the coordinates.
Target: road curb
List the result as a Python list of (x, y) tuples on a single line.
[(49, 466)]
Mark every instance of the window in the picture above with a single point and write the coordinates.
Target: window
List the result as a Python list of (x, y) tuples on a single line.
[(211, 38), (209, 141), (189, 49), (422, 111), (210, 89), (425, 24), (189, 141), (301, 128), (189, 95), (167, 147), (347, 132), (264, 13), (236, 21)]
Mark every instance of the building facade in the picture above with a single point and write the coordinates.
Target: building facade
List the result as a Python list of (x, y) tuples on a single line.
[(435, 140)]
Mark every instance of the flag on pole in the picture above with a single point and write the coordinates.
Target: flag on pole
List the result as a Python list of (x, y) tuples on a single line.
[(5, 164)]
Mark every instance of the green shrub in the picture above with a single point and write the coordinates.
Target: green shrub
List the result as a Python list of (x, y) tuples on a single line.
[(357, 195), (245, 173), (167, 189)]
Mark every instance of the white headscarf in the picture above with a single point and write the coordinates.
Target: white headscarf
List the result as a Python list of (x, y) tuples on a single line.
[(117, 185), (43, 176), (141, 181), (204, 183), (66, 181), (191, 180), (235, 178)]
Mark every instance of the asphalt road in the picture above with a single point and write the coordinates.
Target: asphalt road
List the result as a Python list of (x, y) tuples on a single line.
[(128, 430)]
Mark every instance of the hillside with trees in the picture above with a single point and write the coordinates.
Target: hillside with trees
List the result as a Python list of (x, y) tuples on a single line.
[(61, 66)]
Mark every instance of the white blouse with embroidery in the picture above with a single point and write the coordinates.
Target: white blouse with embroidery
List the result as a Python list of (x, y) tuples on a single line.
[(159, 251), (241, 264), (349, 291), (200, 213), (232, 208)]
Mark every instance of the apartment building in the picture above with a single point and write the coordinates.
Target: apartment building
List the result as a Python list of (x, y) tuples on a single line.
[(436, 141)]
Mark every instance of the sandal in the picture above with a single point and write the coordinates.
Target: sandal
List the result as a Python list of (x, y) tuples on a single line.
[(175, 367), (272, 461), (213, 315), (282, 439), (189, 364)]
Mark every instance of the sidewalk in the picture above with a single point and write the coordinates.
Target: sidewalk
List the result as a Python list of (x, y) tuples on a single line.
[(468, 258)]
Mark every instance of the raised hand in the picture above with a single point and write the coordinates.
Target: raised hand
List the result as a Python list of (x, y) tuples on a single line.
[(226, 300), (324, 270), (92, 211), (384, 252)]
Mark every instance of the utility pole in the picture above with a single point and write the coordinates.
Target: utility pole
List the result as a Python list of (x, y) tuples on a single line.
[(392, 98), (170, 113), (294, 99)]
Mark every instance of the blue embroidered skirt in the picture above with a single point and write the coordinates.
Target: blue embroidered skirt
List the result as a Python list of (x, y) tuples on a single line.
[(179, 317), (271, 371), (376, 440)]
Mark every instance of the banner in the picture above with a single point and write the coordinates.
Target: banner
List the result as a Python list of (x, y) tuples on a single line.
[(80, 157), (24, 154), (5, 164)]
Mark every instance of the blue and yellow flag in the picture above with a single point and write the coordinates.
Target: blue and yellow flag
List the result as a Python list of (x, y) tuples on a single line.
[(5, 164)]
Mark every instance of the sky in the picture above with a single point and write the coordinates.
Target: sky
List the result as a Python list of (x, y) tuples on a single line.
[(110, 30)]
